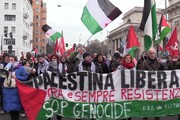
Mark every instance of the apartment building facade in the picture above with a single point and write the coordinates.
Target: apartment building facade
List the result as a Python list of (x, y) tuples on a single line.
[(173, 11), (39, 19), (16, 26)]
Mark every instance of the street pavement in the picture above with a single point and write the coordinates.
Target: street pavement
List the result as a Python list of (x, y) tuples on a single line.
[(7, 117)]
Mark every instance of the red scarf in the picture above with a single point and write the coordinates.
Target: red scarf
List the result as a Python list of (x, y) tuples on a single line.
[(128, 65)]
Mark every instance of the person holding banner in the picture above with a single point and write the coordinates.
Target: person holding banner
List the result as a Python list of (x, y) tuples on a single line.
[(86, 65), (53, 67), (127, 63), (152, 64)]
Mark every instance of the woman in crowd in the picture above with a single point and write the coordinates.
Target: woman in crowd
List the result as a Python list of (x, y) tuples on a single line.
[(53, 67), (101, 66), (127, 62), (11, 100), (53, 64), (64, 66)]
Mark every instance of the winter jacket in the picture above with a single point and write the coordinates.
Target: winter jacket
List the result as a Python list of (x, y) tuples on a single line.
[(11, 99), (152, 65), (113, 65), (43, 67), (101, 67), (87, 67)]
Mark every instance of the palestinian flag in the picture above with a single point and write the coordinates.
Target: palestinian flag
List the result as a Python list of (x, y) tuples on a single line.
[(164, 29), (97, 14), (51, 33), (71, 50), (34, 50), (132, 42), (34, 99), (149, 23)]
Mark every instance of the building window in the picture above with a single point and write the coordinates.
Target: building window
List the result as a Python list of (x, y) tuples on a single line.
[(37, 17), (36, 39), (37, 9), (176, 23), (37, 2), (6, 29), (9, 17), (6, 6), (36, 31), (44, 12), (13, 6), (9, 41), (13, 29), (43, 48), (37, 24)]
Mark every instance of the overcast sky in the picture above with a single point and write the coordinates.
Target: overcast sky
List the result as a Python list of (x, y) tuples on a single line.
[(68, 18)]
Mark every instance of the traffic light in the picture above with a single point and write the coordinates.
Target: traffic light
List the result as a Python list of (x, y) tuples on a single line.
[(66, 44), (10, 47), (11, 35), (5, 33), (74, 45)]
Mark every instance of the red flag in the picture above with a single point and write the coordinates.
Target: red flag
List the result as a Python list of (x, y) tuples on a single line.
[(56, 47), (32, 105), (160, 48), (62, 45), (172, 45), (59, 48), (36, 50)]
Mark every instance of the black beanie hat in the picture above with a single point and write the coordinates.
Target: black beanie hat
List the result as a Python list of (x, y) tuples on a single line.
[(85, 55), (116, 55)]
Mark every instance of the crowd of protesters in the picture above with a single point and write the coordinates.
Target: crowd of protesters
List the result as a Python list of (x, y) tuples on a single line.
[(29, 66)]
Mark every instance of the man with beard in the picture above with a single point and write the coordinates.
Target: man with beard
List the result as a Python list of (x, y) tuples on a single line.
[(43, 64)]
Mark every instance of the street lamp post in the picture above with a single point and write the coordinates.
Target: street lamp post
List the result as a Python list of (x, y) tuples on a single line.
[(2, 44)]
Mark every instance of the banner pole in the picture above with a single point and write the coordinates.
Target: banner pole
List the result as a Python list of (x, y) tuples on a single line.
[(87, 40)]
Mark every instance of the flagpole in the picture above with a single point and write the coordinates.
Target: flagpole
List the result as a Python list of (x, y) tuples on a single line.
[(166, 8), (87, 40)]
